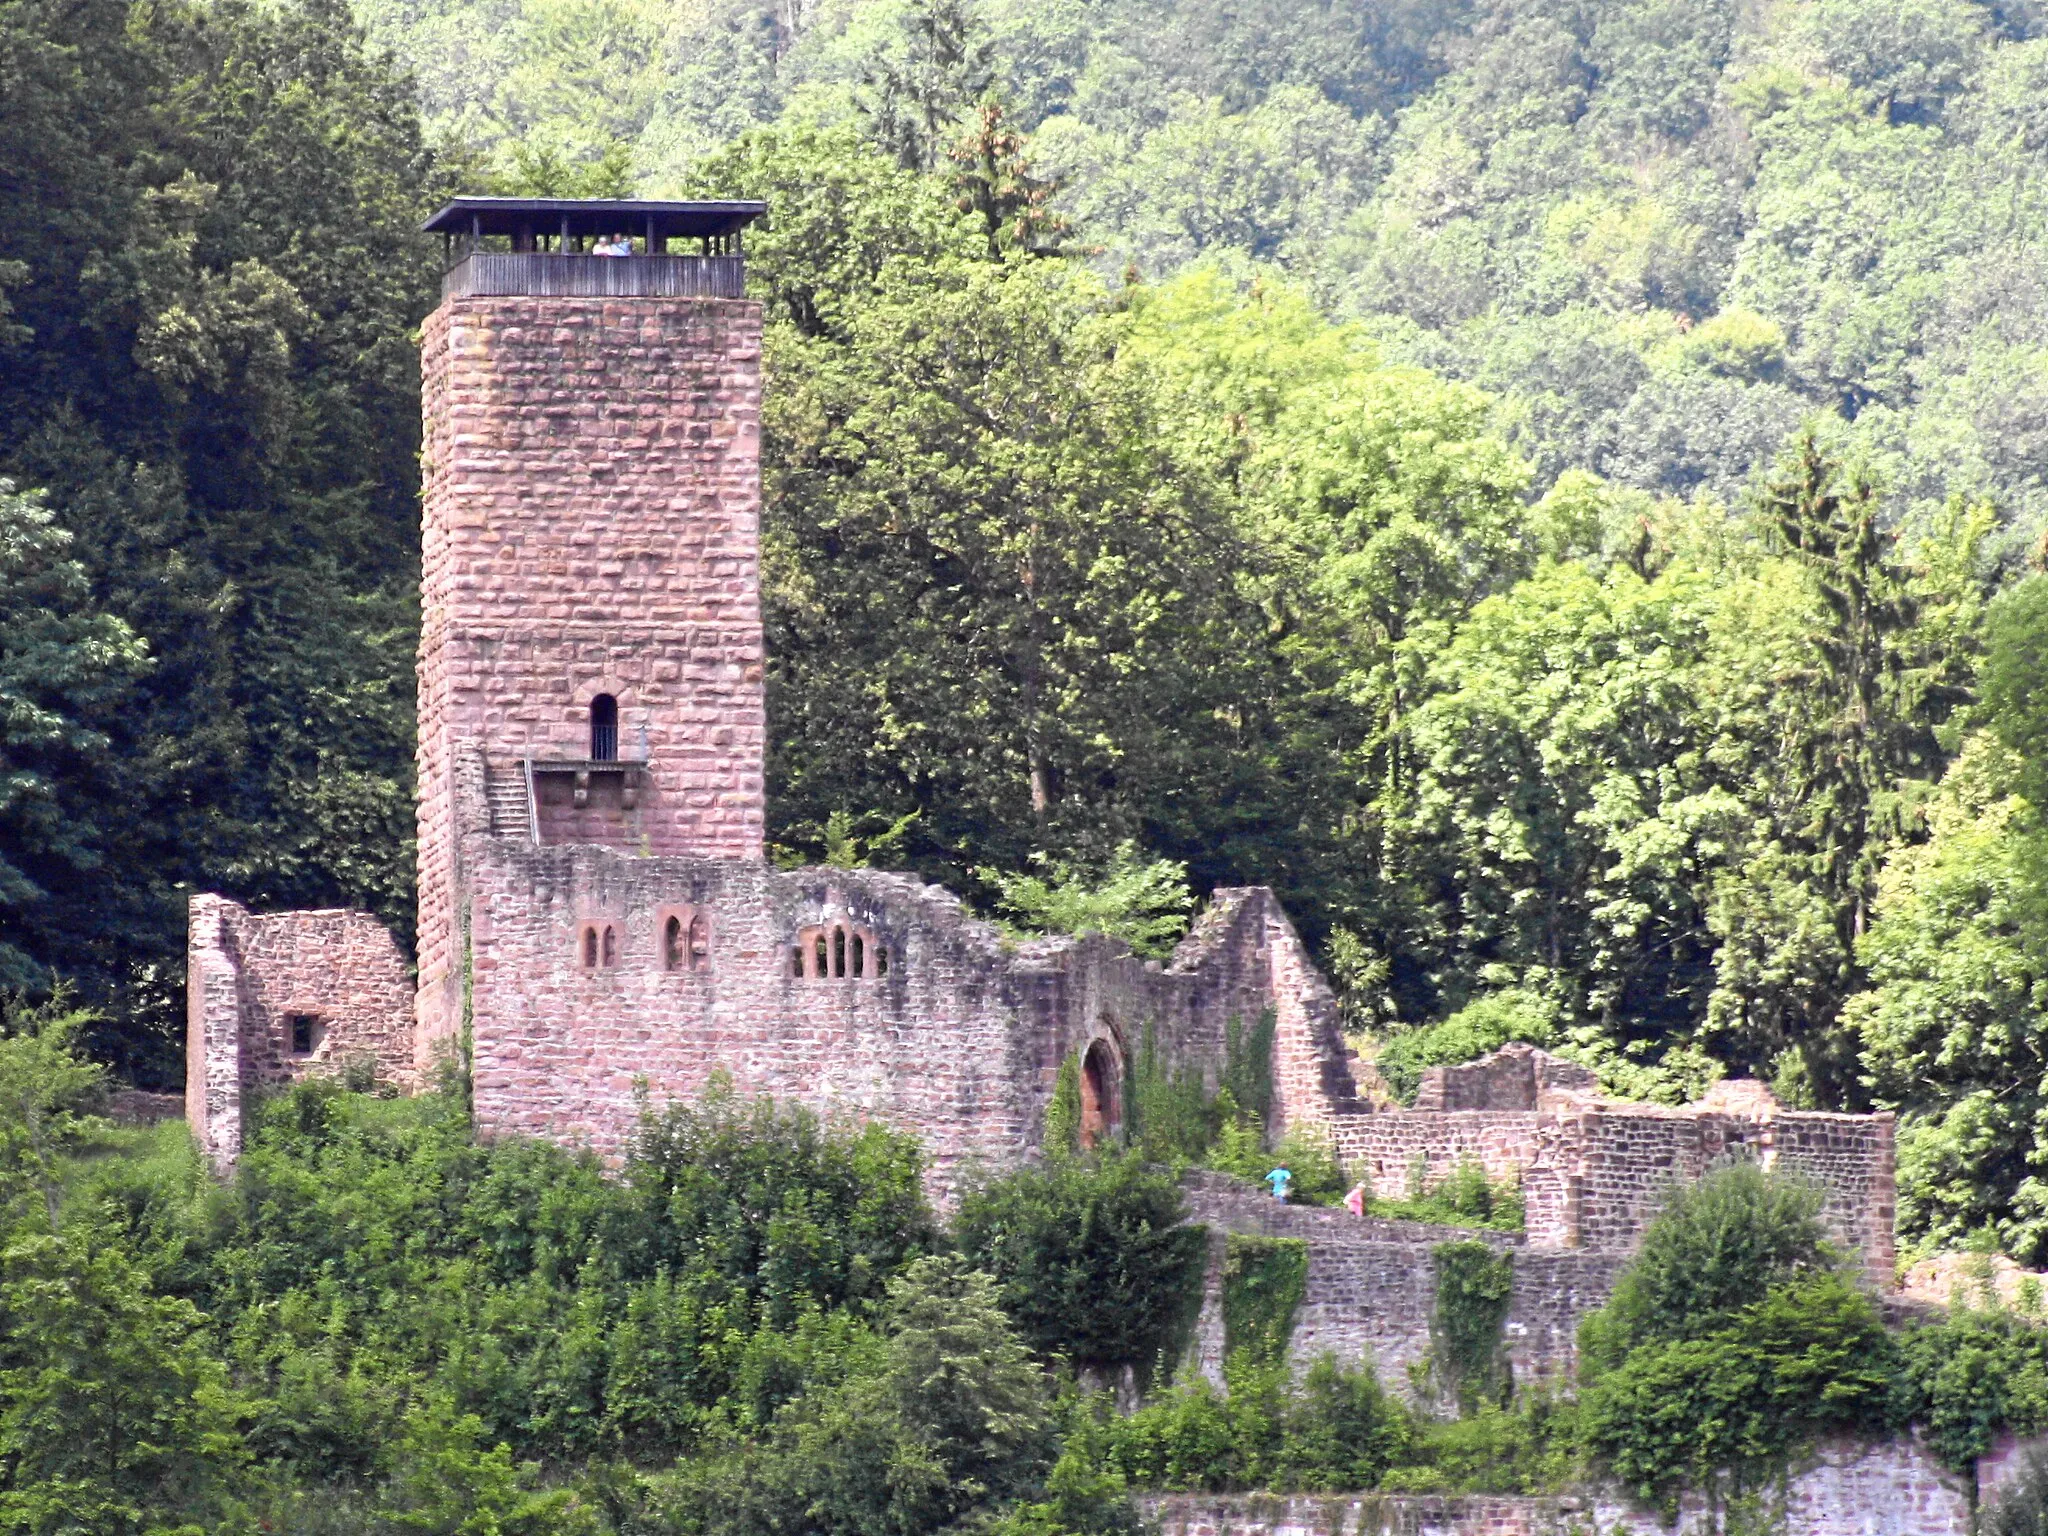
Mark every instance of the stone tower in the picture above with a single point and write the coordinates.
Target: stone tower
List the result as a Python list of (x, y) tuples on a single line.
[(590, 665)]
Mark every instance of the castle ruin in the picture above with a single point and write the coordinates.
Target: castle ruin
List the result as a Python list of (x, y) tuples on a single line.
[(599, 929)]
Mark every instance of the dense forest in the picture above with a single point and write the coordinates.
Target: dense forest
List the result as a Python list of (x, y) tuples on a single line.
[(1556, 490)]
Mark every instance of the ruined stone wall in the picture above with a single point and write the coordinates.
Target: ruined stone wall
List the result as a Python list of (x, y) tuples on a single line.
[(1371, 1286), (592, 526), (1595, 1177), (959, 1039), (213, 1031), (1851, 1157), (254, 981), (1395, 1149), (1843, 1488), (1515, 1077), (1624, 1158)]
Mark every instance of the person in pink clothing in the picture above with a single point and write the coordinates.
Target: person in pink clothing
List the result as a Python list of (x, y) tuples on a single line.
[(1355, 1201)]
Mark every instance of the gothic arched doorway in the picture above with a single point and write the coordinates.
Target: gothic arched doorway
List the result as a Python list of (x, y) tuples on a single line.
[(1102, 1091)]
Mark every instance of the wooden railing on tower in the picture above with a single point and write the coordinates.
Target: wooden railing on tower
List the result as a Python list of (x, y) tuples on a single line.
[(491, 273)]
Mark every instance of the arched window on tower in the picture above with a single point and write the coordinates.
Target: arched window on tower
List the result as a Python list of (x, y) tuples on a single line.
[(604, 729), (673, 955)]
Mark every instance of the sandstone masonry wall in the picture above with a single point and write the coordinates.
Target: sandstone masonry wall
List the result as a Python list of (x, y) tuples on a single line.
[(1371, 1286), (592, 526), (953, 1032), (1594, 1175), (259, 986)]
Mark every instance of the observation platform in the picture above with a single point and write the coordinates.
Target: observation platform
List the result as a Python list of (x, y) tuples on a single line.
[(592, 247)]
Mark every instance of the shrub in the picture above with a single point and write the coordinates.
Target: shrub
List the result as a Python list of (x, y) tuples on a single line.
[(1717, 1246), (950, 1423), (1971, 1375), (1142, 901), (1463, 1198), (1334, 1431), (1091, 1256), (1810, 1357), (1485, 1024)]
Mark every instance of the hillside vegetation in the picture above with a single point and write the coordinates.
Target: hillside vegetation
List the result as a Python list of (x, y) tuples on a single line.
[(1553, 491), (756, 1327)]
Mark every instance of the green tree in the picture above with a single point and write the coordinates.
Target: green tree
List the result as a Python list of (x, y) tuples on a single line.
[(1093, 1257), (1809, 1358), (1861, 749), (46, 1090), (918, 93), (1952, 1028), (1143, 902), (65, 669), (212, 379), (952, 1422), (994, 600)]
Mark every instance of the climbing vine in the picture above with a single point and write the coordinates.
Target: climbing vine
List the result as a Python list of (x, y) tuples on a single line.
[(1248, 1064), (1466, 1360), (1169, 1115), (1264, 1279), (1062, 1130)]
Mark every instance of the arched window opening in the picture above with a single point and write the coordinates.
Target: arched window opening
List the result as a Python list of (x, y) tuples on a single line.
[(700, 942), (1101, 1095), (838, 951), (859, 957), (672, 952), (821, 962), (611, 945), (604, 729), (590, 949), (796, 960)]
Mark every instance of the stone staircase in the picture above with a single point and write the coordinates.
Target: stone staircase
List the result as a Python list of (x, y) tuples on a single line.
[(505, 795)]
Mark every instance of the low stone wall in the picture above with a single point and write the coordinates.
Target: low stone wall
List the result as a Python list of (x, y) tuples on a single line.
[(1594, 1176), (1371, 1286), (1844, 1488)]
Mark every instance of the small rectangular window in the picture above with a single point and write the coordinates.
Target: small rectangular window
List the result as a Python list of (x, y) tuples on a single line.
[(305, 1033)]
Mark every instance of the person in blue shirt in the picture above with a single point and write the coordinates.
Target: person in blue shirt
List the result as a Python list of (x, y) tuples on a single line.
[(1280, 1179)]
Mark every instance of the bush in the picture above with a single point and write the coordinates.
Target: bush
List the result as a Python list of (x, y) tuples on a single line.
[(1463, 1198), (951, 1421), (1971, 1375), (1812, 1356), (1092, 1258), (1335, 1431), (1142, 901), (1532, 1448), (1718, 1246), (1481, 1026)]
